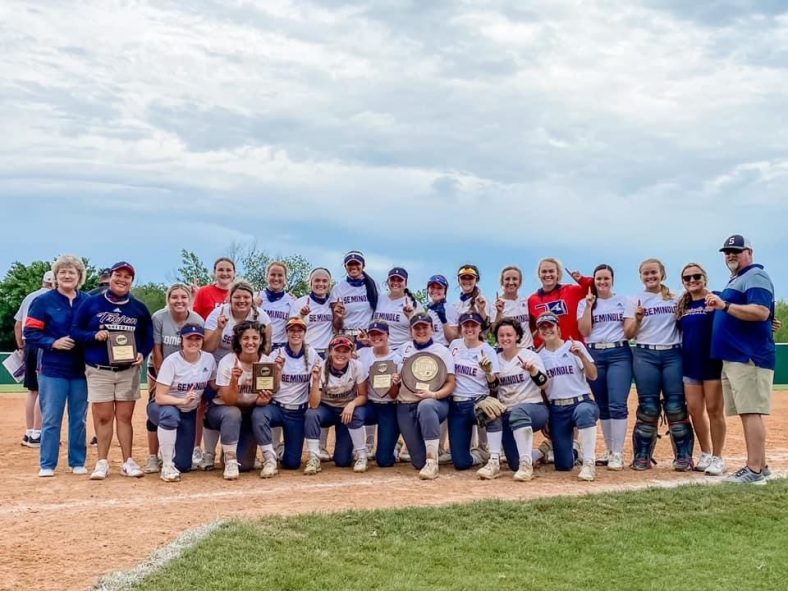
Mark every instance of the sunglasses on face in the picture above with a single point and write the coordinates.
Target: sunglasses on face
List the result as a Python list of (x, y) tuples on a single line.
[(693, 277)]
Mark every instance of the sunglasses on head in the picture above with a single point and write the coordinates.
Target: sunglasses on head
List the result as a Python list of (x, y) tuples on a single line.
[(692, 277)]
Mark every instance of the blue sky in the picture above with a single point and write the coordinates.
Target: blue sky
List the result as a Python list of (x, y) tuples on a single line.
[(424, 134)]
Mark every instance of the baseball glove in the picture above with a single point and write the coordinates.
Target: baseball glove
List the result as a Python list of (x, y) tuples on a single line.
[(488, 409)]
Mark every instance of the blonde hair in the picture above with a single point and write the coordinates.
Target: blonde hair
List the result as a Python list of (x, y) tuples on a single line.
[(177, 286), (70, 260), (686, 297), (276, 264), (559, 266), (664, 289), (516, 270)]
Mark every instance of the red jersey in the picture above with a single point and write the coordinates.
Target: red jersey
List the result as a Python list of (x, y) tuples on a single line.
[(561, 301), (208, 298)]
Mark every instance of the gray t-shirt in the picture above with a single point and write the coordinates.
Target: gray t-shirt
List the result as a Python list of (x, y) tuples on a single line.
[(166, 332)]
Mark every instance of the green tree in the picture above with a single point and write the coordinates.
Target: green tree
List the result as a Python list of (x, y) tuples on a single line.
[(192, 269), (153, 295), (781, 314), (252, 263)]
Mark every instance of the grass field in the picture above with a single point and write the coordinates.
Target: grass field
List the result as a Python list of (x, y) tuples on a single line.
[(700, 537)]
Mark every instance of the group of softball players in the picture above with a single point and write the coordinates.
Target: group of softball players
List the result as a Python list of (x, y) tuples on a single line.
[(560, 361)]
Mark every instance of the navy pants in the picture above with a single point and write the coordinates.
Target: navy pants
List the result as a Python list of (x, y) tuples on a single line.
[(169, 418), (384, 415), (420, 421), (518, 417), (462, 418), (328, 416), (264, 418), (235, 427), (563, 420), (613, 382)]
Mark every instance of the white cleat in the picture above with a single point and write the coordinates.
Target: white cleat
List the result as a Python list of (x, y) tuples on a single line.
[(490, 471)]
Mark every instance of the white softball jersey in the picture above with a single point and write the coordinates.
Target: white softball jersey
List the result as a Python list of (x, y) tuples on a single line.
[(358, 310), (226, 343), (367, 357), (296, 375), (659, 325), (515, 385), (391, 312), (565, 376), (279, 312), (319, 321), (517, 309), (607, 318), (341, 390), (246, 396), (408, 350), (180, 376), (471, 381)]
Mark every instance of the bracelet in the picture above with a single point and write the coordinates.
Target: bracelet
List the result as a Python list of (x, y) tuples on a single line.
[(727, 306)]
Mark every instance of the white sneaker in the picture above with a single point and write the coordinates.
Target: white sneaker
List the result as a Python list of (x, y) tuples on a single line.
[(604, 459), (547, 451), (101, 471), (444, 457), (526, 471), (704, 461), (270, 469), (615, 461), (208, 461), (716, 466), (131, 469), (404, 456), (430, 470), (78, 470), (169, 473), (490, 471), (196, 458), (587, 472), (231, 470), (153, 466), (360, 465), (312, 466), (280, 451), (323, 455), (46, 472)]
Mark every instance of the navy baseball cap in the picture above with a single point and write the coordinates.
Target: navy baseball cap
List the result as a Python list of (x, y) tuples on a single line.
[(354, 256), (736, 242), (122, 265), (547, 317), (105, 271), (420, 318), (398, 272), (379, 326), (471, 317), (192, 329), (439, 279)]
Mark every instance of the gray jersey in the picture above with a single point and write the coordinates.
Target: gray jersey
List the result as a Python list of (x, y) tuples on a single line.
[(167, 332)]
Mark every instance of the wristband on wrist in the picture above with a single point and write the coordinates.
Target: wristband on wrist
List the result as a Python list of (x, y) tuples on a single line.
[(727, 306)]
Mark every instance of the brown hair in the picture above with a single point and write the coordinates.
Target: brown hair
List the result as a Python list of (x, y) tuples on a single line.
[(686, 297)]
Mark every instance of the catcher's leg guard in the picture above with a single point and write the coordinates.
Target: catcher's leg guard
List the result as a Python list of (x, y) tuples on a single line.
[(681, 434), (644, 435)]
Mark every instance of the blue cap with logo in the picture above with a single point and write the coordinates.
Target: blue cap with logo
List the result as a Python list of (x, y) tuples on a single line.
[(379, 326), (471, 317), (192, 329), (354, 256), (398, 272), (122, 265), (439, 279), (736, 242), (421, 318)]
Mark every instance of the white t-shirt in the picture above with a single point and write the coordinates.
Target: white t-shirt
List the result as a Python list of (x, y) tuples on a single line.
[(515, 385), (319, 321), (399, 324), (408, 350), (246, 396), (461, 307), (659, 325), (181, 376), (517, 309), (21, 314), (471, 381), (342, 389), (226, 342), (437, 326), (358, 310), (367, 357), (296, 375), (565, 376), (607, 319), (279, 312)]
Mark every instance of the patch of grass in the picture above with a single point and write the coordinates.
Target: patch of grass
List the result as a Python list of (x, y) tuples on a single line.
[(721, 537)]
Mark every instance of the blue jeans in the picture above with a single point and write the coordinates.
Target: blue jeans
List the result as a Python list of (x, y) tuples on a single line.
[(168, 417), (563, 420), (613, 382), (264, 418), (660, 372), (53, 395), (462, 418), (385, 417), (419, 422), (328, 416), (519, 417)]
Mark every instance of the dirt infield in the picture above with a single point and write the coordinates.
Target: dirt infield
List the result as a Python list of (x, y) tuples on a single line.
[(64, 532)]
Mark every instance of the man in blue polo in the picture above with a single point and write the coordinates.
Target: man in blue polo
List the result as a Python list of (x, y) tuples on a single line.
[(742, 338)]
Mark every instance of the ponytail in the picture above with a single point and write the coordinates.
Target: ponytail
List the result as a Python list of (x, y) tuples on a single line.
[(409, 294), (372, 290)]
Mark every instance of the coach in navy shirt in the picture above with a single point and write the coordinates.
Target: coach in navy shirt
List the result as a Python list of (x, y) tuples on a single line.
[(742, 338)]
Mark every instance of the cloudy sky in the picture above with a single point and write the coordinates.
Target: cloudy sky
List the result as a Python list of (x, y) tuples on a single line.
[(426, 134)]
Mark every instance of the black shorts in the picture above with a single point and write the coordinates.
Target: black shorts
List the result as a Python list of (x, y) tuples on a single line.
[(31, 368)]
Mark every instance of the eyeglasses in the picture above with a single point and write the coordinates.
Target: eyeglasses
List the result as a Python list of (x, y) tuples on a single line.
[(693, 277)]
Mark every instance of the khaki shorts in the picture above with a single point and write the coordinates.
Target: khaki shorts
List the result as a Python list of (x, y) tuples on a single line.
[(747, 389), (105, 385)]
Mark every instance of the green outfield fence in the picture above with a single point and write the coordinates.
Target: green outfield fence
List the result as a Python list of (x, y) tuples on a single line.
[(780, 374)]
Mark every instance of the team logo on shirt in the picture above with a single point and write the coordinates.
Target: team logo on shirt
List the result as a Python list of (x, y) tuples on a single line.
[(557, 307)]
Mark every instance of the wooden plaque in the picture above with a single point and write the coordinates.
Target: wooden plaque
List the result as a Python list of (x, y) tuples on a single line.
[(265, 377), (424, 371), (380, 375), (121, 348)]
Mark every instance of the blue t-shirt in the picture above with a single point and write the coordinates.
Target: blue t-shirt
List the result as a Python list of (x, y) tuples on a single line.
[(49, 318), (696, 327), (744, 340)]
